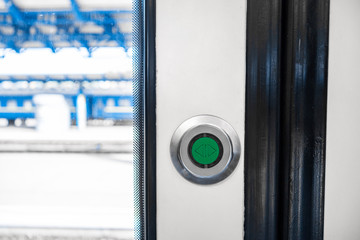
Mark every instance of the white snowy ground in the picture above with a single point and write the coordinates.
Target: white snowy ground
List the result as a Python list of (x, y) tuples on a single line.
[(67, 190)]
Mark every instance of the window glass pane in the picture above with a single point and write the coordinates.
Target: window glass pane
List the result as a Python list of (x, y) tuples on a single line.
[(66, 105)]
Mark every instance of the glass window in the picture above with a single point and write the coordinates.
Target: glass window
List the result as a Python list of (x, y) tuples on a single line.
[(66, 103)]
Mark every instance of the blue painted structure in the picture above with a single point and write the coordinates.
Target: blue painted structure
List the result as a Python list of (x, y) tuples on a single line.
[(21, 28), (114, 104), (97, 107), (13, 107), (55, 29)]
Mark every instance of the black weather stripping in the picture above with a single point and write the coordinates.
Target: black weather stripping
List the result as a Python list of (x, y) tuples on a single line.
[(262, 119), (304, 100), (286, 97)]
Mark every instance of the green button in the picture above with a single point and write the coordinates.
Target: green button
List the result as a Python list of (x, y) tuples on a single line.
[(205, 150)]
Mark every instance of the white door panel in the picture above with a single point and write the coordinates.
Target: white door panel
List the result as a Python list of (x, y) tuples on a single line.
[(342, 193), (200, 57)]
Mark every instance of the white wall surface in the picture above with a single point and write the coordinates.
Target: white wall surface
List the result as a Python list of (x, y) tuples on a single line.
[(342, 193), (200, 70)]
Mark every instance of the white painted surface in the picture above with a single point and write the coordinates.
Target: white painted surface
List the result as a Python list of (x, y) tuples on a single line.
[(200, 70), (342, 193)]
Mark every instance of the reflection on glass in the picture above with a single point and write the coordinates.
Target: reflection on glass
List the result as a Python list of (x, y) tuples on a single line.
[(65, 119)]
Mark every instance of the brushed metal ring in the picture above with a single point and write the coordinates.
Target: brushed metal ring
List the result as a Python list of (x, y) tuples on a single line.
[(205, 124)]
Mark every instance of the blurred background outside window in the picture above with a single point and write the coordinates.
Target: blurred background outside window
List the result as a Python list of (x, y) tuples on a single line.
[(66, 119)]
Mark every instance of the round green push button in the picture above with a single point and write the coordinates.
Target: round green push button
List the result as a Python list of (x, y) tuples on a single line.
[(205, 150)]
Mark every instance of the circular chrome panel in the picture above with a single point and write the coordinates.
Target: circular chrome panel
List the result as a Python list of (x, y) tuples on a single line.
[(191, 128)]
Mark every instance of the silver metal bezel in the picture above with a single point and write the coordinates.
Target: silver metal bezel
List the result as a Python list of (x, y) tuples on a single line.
[(205, 124)]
